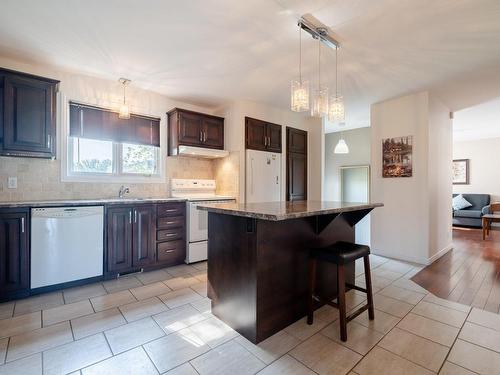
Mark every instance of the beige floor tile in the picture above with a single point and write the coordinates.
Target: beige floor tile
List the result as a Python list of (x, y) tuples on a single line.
[(180, 297), (179, 318), (359, 338), (401, 294), (443, 302), (37, 303), (414, 348), (353, 299), (202, 276), (175, 349), (397, 266), (410, 285), (181, 282), (271, 348), (133, 362), (482, 336), (180, 270), (122, 283), (377, 282), (302, 331), (142, 309), (97, 322), (325, 356), (39, 340), (27, 366), (228, 359), (83, 292), (481, 317), (413, 272), (453, 369), (150, 290), (386, 273), (112, 300), (3, 349), (382, 323), (430, 329), (66, 312), (202, 266), (286, 365), (213, 331), (380, 361), (153, 276), (392, 306), (326, 313), (20, 324), (6, 310), (475, 358), (75, 355), (185, 369), (203, 305), (133, 334), (200, 288), (440, 313)]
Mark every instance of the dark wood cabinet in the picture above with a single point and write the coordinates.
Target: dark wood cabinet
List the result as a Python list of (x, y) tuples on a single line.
[(14, 254), (143, 249), (188, 128), (261, 135), (28, 115), (119, 235), (296, 164), (171, 233)]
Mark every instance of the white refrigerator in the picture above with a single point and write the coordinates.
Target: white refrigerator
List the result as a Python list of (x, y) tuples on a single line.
[(263, 176)]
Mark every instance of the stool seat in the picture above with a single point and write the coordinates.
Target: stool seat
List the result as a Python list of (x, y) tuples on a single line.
[(340, 252)]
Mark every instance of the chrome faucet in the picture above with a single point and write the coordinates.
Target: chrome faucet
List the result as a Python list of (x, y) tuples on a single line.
[(123, 190)]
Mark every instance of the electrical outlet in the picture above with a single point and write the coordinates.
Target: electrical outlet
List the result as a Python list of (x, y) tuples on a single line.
[(12, 183)]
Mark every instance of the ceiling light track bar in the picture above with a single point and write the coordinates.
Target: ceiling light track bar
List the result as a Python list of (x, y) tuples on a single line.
[(318, 32)]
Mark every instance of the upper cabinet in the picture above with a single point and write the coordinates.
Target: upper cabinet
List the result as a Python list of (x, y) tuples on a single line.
[(27, 115), (262, 135), (188, 128)]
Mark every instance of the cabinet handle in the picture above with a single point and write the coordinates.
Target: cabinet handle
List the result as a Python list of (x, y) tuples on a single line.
[(22, 225), (201, 135), (135, 216), (130, 217), (171, 234), (49, 139), (171, 210), (169, 251), (170, 222), (204, 136)]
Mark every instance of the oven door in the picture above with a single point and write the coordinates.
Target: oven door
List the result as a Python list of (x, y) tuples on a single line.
[(198, 223)]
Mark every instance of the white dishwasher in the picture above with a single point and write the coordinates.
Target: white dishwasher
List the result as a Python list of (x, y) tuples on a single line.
[(66, 244)]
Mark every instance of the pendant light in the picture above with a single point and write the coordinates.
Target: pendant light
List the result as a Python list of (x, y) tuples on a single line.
[(299, 94), (336, 113), (124, 109), (320, 100), (341, 147)]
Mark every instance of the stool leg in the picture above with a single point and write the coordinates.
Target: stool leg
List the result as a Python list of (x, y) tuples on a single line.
[(341, 300), (368, 282), (312, 283)]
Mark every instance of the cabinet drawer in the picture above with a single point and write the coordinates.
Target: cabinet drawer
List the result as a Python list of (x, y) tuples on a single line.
[(170, 234), (171, 222), (171, 209), (170, 251)]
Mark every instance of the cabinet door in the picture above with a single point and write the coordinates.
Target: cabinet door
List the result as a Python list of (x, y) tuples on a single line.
[(190, 126), (213, 133), (273, 133), (119, 233), (255, 134), (296, 140), (296, 177), (29, 117), (144, 247), (14, 254)]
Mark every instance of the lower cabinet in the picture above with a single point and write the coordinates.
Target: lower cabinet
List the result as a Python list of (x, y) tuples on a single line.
[(144, 243), (14, 254)]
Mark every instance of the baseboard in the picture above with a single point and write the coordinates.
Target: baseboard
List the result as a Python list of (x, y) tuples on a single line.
[(418, 260), (440, 253)]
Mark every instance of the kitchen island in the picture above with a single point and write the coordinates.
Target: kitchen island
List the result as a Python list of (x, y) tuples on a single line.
[(258, 259)]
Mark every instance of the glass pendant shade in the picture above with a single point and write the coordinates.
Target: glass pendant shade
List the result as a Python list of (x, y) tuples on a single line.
[(320, 103), (336, 111), (124, 112), (299, 96), (341, 147)]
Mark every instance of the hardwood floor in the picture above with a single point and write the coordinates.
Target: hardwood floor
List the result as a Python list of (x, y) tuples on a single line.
[(470, 273)]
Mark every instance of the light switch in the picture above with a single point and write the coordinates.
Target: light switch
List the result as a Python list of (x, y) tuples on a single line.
[(12, 183)]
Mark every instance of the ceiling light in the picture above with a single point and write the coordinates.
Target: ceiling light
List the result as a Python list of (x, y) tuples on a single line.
[(336, 112), (341, 147), (320, 99), (124, 109), (299, 88)]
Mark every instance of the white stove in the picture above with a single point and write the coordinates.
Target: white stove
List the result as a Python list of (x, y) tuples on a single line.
[(196, 192)]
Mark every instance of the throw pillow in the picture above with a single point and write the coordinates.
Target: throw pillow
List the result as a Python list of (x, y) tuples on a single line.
[(459, 203)]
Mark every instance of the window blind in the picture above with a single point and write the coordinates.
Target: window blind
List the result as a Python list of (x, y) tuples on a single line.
[(100, 123)]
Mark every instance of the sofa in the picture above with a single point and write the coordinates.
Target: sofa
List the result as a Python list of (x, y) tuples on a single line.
[(471, 216)]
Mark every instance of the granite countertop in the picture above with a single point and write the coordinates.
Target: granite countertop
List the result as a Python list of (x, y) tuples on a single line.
[(285, 210), (88, 202)]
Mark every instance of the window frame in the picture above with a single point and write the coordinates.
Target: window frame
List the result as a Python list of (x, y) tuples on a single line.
[(65, 153)]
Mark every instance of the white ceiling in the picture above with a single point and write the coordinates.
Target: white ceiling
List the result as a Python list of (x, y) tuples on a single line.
[(210, 52), (477, 122)]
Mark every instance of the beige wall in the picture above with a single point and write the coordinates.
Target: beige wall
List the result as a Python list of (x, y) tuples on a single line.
[(409, 226), (484, 165)]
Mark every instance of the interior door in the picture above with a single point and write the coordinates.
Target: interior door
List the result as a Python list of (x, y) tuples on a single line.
[(296, 161), (144, 230), (190, 126)]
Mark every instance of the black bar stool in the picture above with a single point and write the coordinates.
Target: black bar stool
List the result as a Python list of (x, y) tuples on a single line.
[(341, 253)]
